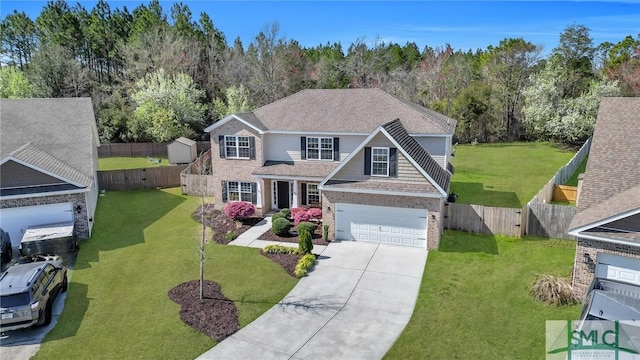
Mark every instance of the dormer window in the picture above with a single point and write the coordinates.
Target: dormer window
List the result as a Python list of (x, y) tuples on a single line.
[(379, 161)]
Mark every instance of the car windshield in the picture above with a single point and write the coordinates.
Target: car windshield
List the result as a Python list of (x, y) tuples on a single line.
[(7, 301)]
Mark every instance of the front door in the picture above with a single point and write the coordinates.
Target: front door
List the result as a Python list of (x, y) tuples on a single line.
[(283, 194)]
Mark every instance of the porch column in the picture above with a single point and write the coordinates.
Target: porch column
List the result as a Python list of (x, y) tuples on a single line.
[(294, 194)]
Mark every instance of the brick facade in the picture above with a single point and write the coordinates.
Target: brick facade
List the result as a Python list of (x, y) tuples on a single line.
[(583, 273), (432, 205), (234, 169), (81, 220)]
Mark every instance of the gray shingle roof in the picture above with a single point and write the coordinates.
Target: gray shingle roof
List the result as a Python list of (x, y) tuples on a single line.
[(418, 153), (346, 110), (31, 154), (64, 129), (317, 169), (611, 183)]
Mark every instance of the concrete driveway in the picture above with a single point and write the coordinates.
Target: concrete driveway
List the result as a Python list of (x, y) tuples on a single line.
[(354, 305)]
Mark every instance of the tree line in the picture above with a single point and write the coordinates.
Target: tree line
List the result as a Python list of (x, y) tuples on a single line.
[(155, 75)]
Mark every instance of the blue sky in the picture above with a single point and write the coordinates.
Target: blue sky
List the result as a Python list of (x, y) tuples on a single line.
[(463, 24)]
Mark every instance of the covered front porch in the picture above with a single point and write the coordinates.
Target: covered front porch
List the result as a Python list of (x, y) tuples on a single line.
[(291, 184)]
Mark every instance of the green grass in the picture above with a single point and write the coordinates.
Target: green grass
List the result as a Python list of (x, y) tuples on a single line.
[(474, 300), (504, 175), (145, 243), (121, 163), (573, 180)]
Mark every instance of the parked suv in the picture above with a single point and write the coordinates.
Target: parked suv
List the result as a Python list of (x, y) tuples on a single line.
[(27, 293)]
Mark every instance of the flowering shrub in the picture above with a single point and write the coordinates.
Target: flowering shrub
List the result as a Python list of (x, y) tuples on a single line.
[(300, 216), (297, 210), (239, 210), (315, 213)]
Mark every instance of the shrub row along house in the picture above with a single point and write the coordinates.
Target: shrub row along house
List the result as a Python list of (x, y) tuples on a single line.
[(377, 165), (48, 164)]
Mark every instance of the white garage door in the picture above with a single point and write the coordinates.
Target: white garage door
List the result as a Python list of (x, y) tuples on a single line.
[(619, 268), (16, 220), (387, 225)]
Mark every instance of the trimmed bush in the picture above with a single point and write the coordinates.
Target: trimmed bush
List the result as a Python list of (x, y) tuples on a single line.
[(325, 232), (304, 265), (278, 215), (315, 213), (280, 249), (300, 216), (553, 290), (239, 210), (305, 245), (305, 225), (280, 226), (286, 212)]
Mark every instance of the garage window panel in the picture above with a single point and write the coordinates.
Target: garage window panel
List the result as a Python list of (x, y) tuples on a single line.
[(379, 161)]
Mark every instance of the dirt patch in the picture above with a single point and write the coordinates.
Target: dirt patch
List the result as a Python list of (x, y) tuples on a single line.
[(293, 237), (222, 225), (214, 315)]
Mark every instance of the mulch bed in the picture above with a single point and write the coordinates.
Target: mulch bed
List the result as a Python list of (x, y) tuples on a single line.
[(293, 237), (215, 315), (287, 261), (221, 224)]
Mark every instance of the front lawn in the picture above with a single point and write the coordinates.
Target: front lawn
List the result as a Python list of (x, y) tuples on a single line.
[(474, 300), (144, 244), (121, 163), (504, 175)]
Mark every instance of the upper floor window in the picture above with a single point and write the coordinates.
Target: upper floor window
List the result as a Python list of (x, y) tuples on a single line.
[(380, 161), (237, 147), (319, 148)]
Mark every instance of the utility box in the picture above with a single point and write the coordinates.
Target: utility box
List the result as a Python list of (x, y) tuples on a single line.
[(48, 239), (182, 151)]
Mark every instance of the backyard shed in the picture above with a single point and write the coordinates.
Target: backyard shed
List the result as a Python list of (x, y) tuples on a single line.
[(182, 151)]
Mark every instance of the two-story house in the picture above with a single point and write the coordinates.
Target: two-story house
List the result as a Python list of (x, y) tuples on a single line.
[(375, 164)]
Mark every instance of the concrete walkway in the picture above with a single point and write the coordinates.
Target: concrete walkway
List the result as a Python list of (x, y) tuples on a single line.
[(353, 305)]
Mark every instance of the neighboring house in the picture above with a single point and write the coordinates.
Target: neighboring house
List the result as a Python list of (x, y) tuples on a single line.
[(607, 222), (375, 164), (182, 151), (48, 164)]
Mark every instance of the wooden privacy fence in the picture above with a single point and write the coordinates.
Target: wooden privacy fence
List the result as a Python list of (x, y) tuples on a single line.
[(488, 220), (142, 149), (197, 176), (548, 220), (146, 178)]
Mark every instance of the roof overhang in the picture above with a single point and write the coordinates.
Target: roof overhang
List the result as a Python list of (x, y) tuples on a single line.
[(379, 192), (36, 168), (225, 120)]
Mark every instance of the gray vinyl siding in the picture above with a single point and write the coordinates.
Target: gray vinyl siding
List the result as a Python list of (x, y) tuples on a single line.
[(354, 170)]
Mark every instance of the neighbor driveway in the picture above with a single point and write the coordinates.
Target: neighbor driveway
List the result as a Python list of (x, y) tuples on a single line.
[(353, 305)]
